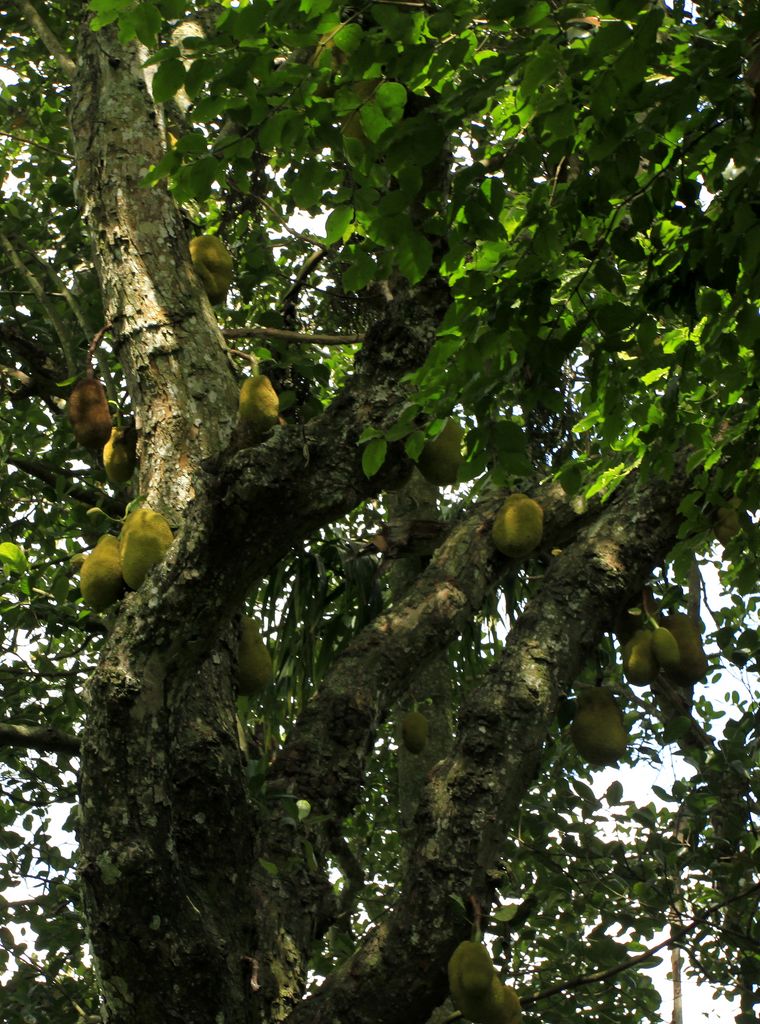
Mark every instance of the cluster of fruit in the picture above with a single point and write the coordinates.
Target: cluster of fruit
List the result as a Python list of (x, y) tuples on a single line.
[(93, 428)]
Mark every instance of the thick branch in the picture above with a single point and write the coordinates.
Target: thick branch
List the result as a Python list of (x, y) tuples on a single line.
[(399, 972), (47, 37), (38, 737)]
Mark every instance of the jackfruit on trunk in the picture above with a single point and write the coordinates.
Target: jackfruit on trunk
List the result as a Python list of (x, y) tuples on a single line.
[(476, 990), (213, 265), (254, 667), (120, 455), (693, 665), (441, 458), (414, 731), (100, 579), (598, 730), (89, 413), (518, 527), (144, 540), (259, 406)]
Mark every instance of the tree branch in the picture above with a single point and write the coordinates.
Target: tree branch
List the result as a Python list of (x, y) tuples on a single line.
[(38, 737), (47, 37), (473, 797), (53, 474), (632, 961), (39, 293), (279, 332)]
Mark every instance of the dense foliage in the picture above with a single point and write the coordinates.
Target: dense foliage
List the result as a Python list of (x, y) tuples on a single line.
[(579, 182)]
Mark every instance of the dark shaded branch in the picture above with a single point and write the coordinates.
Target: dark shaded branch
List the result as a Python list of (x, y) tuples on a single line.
[(47, 37), (38, 737), (471, 799), (51, 475), (295, 336), (39, 293)]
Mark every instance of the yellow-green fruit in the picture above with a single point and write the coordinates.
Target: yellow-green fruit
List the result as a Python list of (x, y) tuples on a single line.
[(213, 265), (89, 413), (441, 458), (665, 648), (476, 990), (639, 662), (120, 455), (414, 731), (259, 405), (731, 519), (502, 1005), (470, 973), (518, 526), (144, 540), (100, 577), (693, 664), (254, 668), (598, 731)]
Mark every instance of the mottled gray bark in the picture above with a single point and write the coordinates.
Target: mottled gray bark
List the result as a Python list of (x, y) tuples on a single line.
[(187, 924), (399, 972)]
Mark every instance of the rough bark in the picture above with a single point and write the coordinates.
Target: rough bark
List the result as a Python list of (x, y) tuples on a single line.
[(399, 971), (190, 930)]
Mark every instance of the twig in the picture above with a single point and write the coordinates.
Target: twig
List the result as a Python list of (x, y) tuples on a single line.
[(38, 737), (30, 142), (39, 294), (48, 37), (675, 935), (49, 475), (312, 239), (93, 346), (279, 332)]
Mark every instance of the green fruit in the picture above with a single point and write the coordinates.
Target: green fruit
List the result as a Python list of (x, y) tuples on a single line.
[(518, 526), (213, 265), (639, 663), (470, 973), (100, 580), (89, 413), (476, 990), (598, 731), (665, 649), (731, 519), (502, 1006), (414, 731), (693, 665), (120, 455), (254, 667), (259, 406), (144, 540), (441, 458)]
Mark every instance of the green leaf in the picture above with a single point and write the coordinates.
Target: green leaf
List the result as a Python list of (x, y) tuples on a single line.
[(373, 456), (414, 257), (13, 557), (391, 98), (337, 222), (168, 79), (147, 21)]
